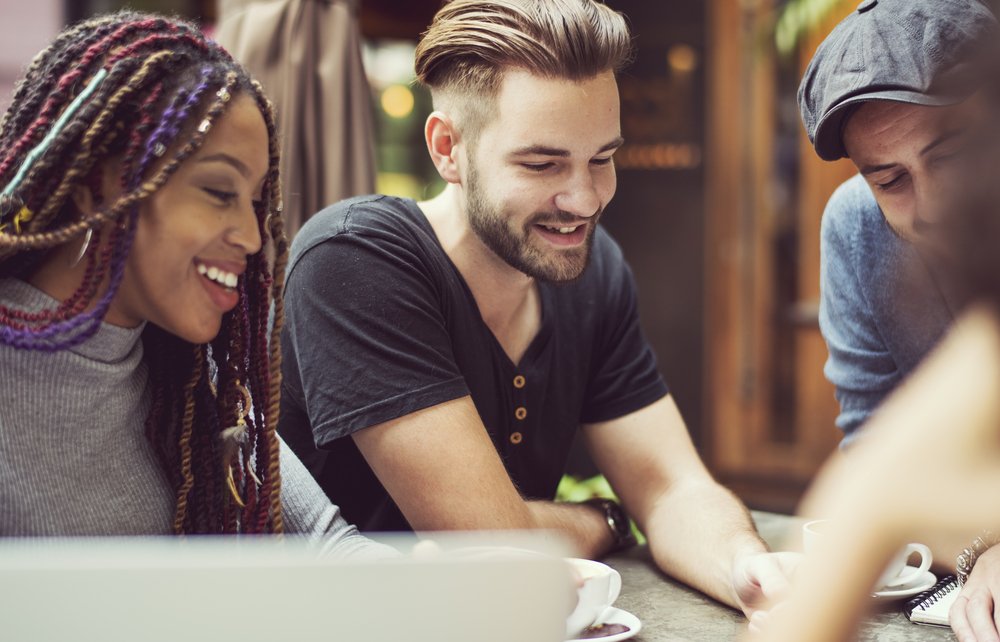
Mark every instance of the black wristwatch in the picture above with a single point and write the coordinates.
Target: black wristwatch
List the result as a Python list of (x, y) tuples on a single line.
[(618, 521)]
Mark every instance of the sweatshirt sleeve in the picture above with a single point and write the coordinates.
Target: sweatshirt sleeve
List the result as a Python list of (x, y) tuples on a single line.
[(308, 511), (860, 365)]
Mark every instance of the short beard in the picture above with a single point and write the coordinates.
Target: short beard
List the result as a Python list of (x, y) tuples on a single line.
[(489, 223)]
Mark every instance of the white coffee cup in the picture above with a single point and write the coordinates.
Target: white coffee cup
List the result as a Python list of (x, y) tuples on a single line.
[(896, 573), (601, 586)]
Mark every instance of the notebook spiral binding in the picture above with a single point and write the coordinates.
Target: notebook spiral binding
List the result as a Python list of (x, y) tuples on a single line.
[(933, 595)]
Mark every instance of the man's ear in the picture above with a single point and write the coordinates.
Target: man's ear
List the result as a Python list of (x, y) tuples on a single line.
[(442, 139)]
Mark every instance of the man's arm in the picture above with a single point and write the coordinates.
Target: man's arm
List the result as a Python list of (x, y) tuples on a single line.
[(698, 531), (860, 365), (868, 494), (442, 470)]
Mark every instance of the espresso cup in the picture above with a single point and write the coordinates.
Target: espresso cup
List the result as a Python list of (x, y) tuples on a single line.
[(601, 586), (896, 573)]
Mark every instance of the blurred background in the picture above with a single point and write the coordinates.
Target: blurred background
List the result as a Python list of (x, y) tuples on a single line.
[(719, 197)]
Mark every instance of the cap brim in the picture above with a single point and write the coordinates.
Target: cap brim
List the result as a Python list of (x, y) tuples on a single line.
[(829, 139)]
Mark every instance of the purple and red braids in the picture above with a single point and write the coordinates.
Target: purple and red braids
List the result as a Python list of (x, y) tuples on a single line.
[(140, 89)]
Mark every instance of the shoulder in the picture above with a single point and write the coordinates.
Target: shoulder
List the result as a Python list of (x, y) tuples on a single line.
[(852, 213), (379, 218), (607, 281), (607, 262), (371, 214)]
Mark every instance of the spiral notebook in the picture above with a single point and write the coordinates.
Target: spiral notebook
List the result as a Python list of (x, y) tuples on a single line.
[(932, 606)]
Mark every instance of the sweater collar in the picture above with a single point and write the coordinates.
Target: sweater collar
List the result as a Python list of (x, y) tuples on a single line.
[(110, 344)]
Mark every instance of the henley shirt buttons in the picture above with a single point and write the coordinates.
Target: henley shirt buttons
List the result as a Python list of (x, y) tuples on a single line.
[(519, 382), (516, 438), (521, 413)]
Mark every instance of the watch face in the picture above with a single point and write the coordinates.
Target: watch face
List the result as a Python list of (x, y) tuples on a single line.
[(617, 519), (620, 519)]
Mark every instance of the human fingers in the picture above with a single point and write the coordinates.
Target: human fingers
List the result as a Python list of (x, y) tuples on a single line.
[(761, 619), (773, 573), (762, 579), (959, 621), (979, 611), (758, 620)]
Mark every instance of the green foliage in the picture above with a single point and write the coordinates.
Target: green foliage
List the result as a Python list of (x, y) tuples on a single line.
[(798, 19), (576, 490)]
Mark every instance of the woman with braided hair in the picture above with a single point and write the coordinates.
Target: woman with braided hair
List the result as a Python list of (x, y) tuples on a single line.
[(141, 250)]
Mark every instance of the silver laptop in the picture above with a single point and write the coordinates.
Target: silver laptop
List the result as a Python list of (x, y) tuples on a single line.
[(214, 589)]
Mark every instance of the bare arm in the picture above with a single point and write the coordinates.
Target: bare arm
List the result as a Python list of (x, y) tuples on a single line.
[(444, 473), (697, 530), (937, 433)]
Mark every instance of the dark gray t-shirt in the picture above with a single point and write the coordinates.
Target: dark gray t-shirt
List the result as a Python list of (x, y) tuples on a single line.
[(379, 324)]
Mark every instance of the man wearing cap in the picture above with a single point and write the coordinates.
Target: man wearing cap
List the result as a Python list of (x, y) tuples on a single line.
[(892, 88), (893, 102)]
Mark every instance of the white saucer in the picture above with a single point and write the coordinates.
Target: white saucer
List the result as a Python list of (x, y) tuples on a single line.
[(919, 585), (617, 616)]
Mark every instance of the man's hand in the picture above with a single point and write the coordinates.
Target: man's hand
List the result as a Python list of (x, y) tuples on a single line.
[(972, 615), (760, 580), (699, 533), (872, 486)]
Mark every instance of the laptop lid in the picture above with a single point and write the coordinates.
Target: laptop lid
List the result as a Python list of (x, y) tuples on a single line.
[(217, 589)]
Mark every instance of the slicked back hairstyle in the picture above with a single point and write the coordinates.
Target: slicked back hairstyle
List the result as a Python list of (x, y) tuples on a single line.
[(143, 91), (471, 44)]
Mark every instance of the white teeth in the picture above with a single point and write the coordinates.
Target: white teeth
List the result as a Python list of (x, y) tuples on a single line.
[(223, 278), (561, 230)]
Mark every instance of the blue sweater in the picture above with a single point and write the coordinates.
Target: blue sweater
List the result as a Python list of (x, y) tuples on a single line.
[(881, 311)]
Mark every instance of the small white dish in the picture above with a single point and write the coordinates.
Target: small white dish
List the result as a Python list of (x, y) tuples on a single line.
[(615, 615), (922, 583)]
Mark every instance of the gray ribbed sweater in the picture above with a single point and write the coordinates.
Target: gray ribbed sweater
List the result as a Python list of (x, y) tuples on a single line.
[(74, 459)]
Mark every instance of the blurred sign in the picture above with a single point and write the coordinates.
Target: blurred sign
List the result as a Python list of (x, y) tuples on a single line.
[(660, 119)]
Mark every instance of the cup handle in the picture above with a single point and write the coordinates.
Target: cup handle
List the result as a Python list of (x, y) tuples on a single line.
[(614, 586), (925, 563)]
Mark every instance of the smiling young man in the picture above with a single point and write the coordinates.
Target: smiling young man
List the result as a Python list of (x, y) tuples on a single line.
[(897, 88), (441, 356)]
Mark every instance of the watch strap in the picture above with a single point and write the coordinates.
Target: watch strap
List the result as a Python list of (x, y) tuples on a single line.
[(618, 522)]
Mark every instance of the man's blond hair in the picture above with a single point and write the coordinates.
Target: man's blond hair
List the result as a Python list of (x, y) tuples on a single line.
[(471, 44)]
